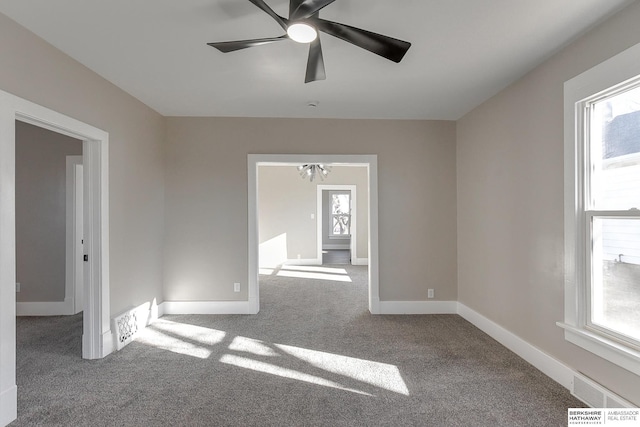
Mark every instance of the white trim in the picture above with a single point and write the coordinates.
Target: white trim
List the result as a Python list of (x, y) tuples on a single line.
[(96, 319), (160, 310), (74, 231), (45, 308), (374, 286), (611, 350), (8, 393), (303, 261), (418, 307), (8, 407), (360, 261), (255, 160), (252, 231), (612, 73), (206, 307), (97, 335), (554, 369)]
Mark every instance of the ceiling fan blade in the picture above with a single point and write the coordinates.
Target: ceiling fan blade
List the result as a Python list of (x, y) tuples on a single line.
[(305, 8), (243, 44), (315, 64), (265, 7), (387, 47)]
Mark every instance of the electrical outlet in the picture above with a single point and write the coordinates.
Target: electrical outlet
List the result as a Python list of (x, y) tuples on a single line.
[(236, 287), (17, 286), (430, 293)]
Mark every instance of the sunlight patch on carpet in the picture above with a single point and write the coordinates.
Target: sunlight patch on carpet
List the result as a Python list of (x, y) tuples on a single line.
[(199, 342), (308, 272), (312, 275), (181, 338), (381, 375), (268, 368), (314, 269), (248, 345)]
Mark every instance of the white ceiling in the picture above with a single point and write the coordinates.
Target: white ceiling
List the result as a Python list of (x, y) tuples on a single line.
[(463, 52)]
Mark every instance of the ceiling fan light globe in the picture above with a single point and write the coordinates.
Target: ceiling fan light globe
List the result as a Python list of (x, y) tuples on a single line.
[(302, 33)]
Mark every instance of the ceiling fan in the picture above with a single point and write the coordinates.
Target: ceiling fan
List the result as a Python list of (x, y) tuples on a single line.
[(303, 26)]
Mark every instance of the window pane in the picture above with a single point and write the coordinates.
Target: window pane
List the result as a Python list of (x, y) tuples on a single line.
[(340, 203), (341, 224), (615, 297), (615, 152)]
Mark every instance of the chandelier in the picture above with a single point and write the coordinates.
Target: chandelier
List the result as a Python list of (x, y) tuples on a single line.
[(311, 170)]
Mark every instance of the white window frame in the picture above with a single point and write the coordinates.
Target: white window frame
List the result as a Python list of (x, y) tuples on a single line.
[(614, 74), (331, 214)]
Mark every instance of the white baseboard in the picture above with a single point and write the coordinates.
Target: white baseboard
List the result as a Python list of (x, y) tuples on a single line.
[(551, 367), (160, 310), (8, 405), (108, 343), (417, 307), (48, 308), (206, 307), (303, 261), (315, 261)]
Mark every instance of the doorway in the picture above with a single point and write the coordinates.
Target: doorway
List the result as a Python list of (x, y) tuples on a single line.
[(337, 224), (97, 339), (48, 182), (368, 161)]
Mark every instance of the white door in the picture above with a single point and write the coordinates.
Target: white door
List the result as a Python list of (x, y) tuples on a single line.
[(75, 234)]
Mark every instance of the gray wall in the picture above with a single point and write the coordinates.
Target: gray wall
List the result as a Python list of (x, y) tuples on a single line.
[(41, 211), (510, 203), (36, 71), (206, 199)]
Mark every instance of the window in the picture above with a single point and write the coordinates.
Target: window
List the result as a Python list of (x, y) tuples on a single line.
[(602, 210), (340, 214), (612, 208)]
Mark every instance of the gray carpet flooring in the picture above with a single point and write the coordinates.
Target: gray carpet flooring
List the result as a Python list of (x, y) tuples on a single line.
[(313, 356)]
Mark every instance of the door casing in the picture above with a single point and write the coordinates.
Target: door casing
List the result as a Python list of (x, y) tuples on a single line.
[(353, 227)]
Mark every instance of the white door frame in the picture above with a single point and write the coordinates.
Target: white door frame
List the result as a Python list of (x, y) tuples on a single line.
[(353, 226), (97, 340), (256, 160), (74, 269)]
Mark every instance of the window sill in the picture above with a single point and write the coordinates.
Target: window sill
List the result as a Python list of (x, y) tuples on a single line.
[(613, 351), (343, 237)]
